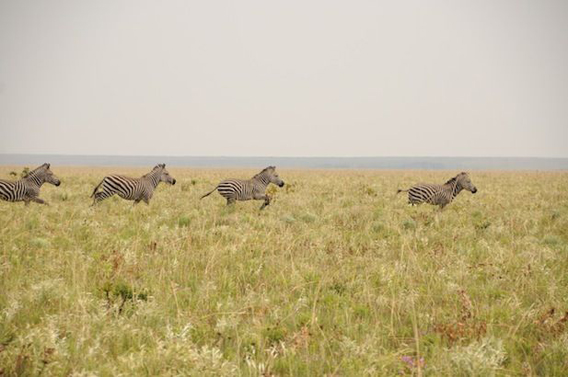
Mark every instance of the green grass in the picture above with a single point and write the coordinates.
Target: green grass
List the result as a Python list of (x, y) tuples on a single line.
[(338, 276)]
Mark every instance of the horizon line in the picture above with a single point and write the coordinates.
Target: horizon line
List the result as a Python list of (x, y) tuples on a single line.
[(265, 156)]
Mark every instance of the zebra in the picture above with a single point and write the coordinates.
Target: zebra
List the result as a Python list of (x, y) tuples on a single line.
[(440, 195), (27, 188), (137, 189), (254, 188)]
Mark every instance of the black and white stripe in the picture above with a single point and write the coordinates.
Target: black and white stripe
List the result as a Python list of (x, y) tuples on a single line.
[(249, 189), (137, 189), (27, 188), (440, 195)]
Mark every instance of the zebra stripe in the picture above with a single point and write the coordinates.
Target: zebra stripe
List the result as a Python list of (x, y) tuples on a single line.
[(137, 189), (440, 195), (27, 188), (12, 191), (248, 189)]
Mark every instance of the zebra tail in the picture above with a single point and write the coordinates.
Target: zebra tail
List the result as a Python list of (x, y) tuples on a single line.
[(209, 193), (400, 190), (96, 188)]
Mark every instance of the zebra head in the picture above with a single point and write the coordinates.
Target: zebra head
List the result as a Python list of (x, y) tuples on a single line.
[(44, 174), (165, 175), (270, 173), (464, 181)]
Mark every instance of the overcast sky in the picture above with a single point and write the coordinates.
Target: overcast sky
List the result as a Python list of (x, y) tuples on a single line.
[(284, 78)]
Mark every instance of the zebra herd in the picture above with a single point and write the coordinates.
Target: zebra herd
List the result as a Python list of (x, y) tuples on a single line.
[(142, 189)]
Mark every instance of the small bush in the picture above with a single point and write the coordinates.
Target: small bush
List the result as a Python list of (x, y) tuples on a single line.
[(409, 224), (184, 221), (274, 334), (25, 172)]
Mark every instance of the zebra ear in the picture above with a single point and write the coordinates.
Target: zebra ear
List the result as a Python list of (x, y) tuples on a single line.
[(47, 165)]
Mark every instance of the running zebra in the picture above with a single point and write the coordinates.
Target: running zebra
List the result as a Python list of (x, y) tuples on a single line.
[(137, 189), (254, 188), (27, 188), (440, 195)]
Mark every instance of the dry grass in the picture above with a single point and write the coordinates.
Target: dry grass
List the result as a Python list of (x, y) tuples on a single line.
[(338, 276)]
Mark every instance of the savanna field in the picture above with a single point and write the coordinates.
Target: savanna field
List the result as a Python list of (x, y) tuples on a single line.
[(338, 276)]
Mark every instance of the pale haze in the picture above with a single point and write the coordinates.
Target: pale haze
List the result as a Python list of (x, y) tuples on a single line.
[(284, 78)]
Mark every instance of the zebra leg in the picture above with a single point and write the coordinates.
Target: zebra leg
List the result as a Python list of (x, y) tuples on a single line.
[(101, 195), (38, 200), (266, 202), (230, 201), (411, 201)]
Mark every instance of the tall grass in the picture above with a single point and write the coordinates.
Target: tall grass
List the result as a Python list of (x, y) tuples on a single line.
[(338, 276)]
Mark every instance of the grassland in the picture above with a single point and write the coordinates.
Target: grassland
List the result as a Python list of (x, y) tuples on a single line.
[(337, 277)]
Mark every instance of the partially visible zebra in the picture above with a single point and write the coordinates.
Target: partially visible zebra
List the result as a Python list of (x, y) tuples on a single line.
[(254, 188), (137, 189), (27, 188), (440, 195)]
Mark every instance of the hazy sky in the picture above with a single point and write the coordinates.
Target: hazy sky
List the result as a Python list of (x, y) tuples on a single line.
[(285, 78)]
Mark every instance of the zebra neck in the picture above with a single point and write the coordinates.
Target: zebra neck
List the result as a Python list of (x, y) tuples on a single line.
[(456, 189), (263, 180), (34, 179), (154, 178)]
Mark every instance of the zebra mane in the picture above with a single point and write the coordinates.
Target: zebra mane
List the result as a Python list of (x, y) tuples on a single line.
[(452, 180), (41, 167), (159, 166), (265, 170)]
